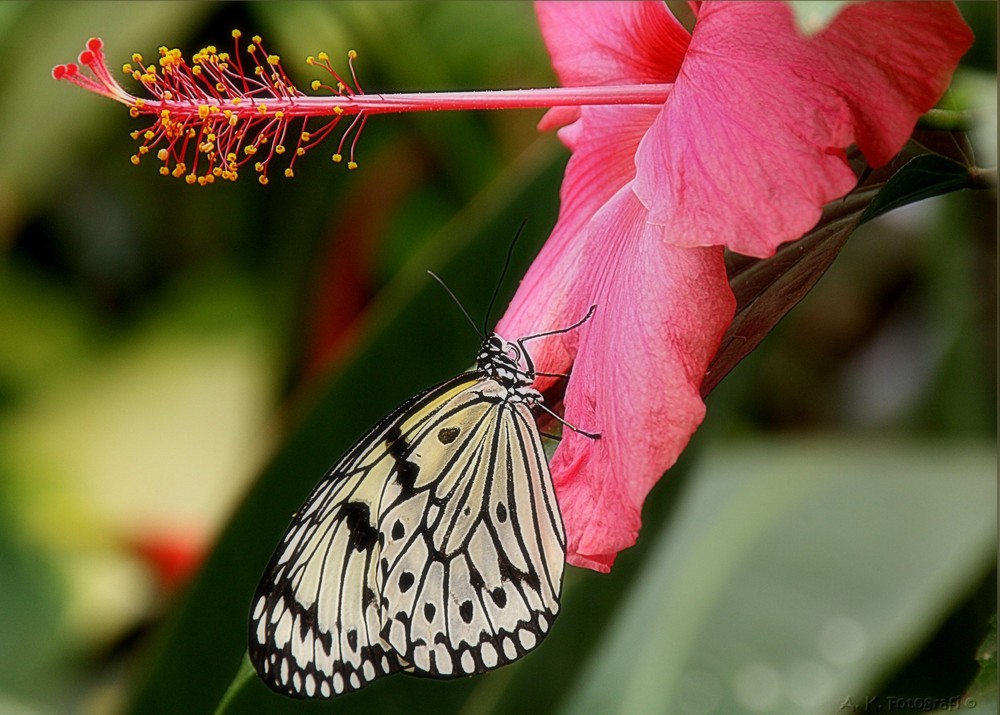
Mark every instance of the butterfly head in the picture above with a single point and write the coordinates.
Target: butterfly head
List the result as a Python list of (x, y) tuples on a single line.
[(501, 360)]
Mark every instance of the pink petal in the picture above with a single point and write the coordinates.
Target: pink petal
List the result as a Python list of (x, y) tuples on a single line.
[(661, 312), (750, 144), (552, 293), (595, 43)]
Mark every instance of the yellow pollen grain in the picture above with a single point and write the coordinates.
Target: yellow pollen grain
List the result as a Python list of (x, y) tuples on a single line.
[(338, 110)]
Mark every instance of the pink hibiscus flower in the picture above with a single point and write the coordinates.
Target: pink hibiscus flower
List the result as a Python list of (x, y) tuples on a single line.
[(743, 154)]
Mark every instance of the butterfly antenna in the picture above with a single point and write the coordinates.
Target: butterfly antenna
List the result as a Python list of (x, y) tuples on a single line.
[(461, 307), (503, 274)]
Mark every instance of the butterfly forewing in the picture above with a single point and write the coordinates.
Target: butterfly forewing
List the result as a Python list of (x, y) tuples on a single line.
[(434, 547)]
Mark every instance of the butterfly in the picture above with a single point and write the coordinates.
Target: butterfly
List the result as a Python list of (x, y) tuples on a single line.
[(434, 547)]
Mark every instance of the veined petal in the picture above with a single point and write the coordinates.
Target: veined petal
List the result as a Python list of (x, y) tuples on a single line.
[(553, 294), (595, 43), (661, 311), (750, 144)]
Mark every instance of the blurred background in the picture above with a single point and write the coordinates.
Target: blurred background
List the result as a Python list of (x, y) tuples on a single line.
[(179, 365)]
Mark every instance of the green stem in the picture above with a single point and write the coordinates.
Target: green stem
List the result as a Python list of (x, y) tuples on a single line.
[(244, 675)]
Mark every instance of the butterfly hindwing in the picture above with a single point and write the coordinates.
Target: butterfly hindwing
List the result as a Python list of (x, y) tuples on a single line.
[(479, 585), (434, 547)]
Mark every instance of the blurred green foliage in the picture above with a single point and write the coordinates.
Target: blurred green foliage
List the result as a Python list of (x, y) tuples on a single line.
[(179, 366)]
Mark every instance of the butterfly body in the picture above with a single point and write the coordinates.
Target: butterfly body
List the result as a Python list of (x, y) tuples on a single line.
[(434, 547)]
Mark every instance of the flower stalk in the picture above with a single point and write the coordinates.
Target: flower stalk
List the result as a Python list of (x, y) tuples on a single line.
[(212, 117)]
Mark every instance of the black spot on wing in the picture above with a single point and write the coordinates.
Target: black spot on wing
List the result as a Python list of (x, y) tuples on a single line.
[(357, 517), (447, 435)]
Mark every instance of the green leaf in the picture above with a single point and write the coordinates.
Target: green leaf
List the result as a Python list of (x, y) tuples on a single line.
[(794, 573), (921, 178)]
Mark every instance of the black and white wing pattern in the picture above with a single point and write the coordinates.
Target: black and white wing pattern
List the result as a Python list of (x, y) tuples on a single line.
[(434, 547)]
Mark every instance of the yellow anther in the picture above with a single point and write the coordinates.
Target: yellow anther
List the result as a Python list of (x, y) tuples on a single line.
[(149, 135), (202, 111), (162, 154), (127, 68), (233, 120), (217, 171), (262, 109), (258, 167), (137, 58), (279, 114), (251, 49), (237, 34), (338, 110), (310, 60), (211, 49), (196, 70), (137, 76), (263, 180), (190, 178), (237, 100), (337, 158), (279, 149), (168, 95), (352, 165), (144, 150), (231, 157), (289, 173), (134, 159), (134, 113), (250, 150), (259, 71), (164, 171), (316, 84), (135, 134), (305, 136), (323, 57), (219, 87), (140, 102), (273, 60), (256, 39), (300, 152), (352, 55)]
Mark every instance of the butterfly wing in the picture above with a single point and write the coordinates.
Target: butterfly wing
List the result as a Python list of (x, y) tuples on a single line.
[(422, 493), (476, 583)]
